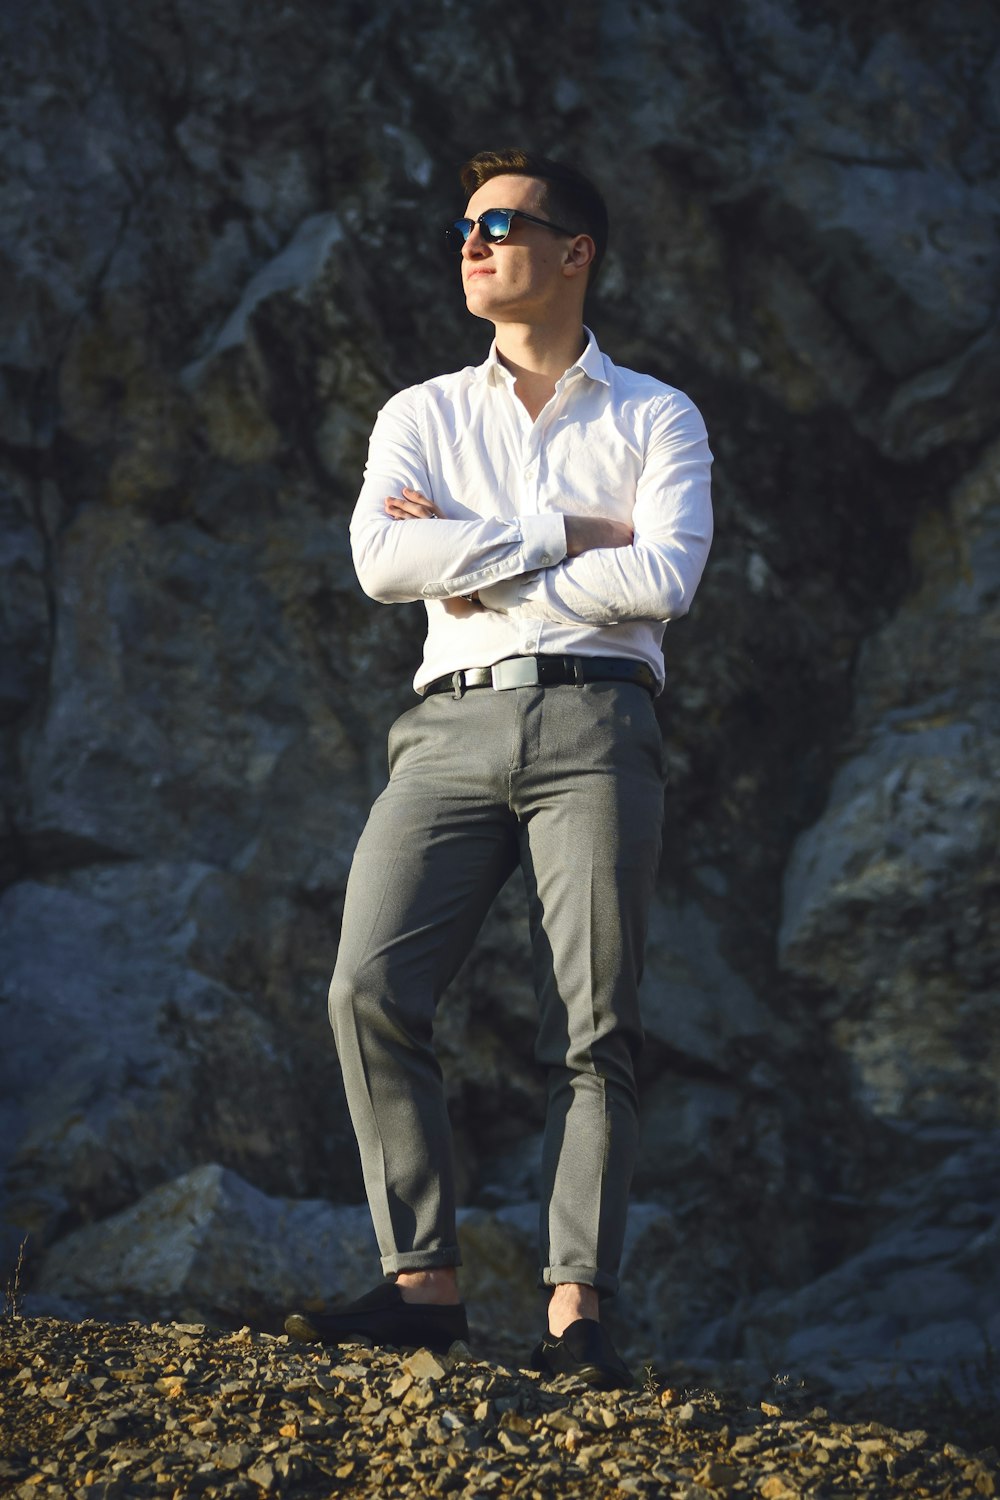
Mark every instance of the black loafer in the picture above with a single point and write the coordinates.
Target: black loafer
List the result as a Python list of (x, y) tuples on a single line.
[(383, 1317), (586, 1351)]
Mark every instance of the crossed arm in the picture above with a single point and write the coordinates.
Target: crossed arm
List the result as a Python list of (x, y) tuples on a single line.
[(567, 568), (583, 533)]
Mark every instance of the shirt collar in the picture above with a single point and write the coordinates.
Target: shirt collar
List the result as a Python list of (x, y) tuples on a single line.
[(591, 362)]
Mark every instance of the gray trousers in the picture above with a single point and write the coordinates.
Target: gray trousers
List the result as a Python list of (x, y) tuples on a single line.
[(567, 782)]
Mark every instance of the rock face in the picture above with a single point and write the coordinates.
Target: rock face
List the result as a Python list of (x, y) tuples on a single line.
[(890, 899), (219, 258)]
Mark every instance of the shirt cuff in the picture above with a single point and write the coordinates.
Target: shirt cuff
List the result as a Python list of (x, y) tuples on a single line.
[(544, 539)]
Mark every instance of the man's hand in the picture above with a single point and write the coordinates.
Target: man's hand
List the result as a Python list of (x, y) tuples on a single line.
[(411, 505), (585, 533)]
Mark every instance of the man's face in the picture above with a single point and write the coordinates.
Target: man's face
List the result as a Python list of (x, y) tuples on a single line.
[(522, 279)]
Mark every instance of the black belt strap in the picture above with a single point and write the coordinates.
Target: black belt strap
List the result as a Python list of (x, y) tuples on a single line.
[(545, 671)]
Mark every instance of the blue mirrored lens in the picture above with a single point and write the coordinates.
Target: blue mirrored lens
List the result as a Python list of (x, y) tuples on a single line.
[(457, 233), (495, 224)]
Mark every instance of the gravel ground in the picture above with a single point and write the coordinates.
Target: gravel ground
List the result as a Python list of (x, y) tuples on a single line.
[(177, 1410)]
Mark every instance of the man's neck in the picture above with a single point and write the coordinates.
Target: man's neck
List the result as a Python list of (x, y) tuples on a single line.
[(537, 357), (533, 350)]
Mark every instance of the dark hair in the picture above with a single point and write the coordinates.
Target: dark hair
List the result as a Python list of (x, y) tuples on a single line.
[(570, 198)]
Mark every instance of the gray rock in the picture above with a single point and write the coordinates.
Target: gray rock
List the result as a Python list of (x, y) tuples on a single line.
[(500, 1272), (299, 265), (915, 1307), (209, 1240), (140, 752), (692, 1000), (887, 897), (25, 626), (126, 1060)]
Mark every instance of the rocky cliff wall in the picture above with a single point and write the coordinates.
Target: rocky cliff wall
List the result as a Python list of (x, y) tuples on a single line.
[(220, 255)]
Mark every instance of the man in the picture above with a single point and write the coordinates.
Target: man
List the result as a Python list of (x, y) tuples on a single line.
[(553, 512)]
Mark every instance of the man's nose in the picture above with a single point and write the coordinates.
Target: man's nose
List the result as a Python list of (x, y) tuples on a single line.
[(475, 245)]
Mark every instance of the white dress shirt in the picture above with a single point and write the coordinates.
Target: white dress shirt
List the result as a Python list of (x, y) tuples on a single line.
[(610, 442)]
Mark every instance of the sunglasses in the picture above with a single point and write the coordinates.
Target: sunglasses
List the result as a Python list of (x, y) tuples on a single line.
[(494, 226)]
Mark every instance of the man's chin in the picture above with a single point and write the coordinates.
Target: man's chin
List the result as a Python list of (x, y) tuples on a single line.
[(479, 306)]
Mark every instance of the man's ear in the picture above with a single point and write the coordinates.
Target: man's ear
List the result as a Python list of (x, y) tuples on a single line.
[(579, 255)]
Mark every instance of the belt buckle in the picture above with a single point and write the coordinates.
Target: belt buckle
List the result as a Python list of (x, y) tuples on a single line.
[(518, 671)]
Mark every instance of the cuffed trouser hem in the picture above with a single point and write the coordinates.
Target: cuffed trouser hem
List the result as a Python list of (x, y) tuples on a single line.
[(603, 1282), (421, 1260)]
